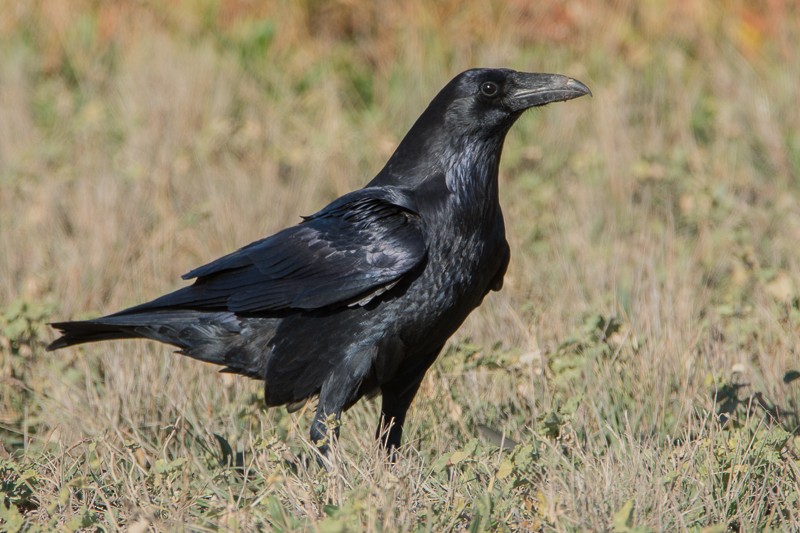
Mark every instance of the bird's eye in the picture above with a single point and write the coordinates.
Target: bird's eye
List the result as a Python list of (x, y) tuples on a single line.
[(489, 88)]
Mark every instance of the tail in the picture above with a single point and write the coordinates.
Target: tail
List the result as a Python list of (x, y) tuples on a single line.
[(88, 331), (204, 335)]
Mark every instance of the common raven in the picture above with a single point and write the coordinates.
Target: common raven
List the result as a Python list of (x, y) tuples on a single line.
[(360, 297)]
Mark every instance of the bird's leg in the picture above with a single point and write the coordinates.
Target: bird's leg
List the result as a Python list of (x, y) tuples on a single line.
[(393, 415), (325, 429), (335, 394), (397, 397)]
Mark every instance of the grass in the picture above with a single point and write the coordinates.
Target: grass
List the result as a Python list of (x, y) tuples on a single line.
[(637, 373)]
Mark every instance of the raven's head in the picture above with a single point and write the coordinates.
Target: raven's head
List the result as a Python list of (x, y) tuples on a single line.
[(471, 115), (490, 100)]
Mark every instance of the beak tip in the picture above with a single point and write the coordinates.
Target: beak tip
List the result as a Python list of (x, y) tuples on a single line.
[(579, 86)]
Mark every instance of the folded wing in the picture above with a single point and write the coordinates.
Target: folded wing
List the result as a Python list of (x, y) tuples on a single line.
[(353, 250)]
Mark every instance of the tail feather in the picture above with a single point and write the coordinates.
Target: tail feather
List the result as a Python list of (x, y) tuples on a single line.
[(87, 331), (219, 337), (196, 333)]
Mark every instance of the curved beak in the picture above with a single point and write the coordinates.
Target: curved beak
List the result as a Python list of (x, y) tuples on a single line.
[(536, 89)]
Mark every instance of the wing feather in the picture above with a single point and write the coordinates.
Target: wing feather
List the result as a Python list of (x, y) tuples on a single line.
[(355, 249)]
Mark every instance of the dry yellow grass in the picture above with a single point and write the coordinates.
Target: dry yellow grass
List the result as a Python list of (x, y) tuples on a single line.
[(640, 355)]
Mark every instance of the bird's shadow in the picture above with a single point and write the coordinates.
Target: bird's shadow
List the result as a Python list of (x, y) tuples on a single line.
[(731, 398)]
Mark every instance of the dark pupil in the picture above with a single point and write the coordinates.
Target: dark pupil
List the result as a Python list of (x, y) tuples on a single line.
[(489, 88)]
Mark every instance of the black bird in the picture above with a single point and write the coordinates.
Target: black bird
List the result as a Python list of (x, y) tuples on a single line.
[(360, 297)]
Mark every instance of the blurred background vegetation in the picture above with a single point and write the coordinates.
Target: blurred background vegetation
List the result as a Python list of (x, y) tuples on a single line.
[(638, 372)]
